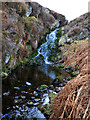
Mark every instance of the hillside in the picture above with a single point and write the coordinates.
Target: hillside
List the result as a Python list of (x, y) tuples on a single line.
[(72, 101)]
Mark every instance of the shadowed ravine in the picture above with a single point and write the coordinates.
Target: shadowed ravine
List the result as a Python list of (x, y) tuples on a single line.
[(22, 88)]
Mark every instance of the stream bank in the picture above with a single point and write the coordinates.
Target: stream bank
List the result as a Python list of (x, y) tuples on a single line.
[(72, 102)]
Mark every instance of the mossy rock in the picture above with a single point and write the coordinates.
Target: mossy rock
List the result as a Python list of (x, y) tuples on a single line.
[(52, 96), (76, 72), (43, 87), (3, 74), (61, 65), (35, 19), (59, 32), (47, 109)]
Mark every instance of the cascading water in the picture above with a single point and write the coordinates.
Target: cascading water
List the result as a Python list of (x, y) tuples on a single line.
[(45, 48)]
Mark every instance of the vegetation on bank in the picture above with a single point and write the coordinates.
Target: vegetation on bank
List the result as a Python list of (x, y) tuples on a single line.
[(72, 101)]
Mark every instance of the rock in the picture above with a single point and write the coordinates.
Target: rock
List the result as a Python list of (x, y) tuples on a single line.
[(57, 89), (27, 83), (36, 100), (43, 87), (77, 28), (45, 99), (52, 96), (23, 97), (51, 87), (35, 93), (17, 88), (6, 93)]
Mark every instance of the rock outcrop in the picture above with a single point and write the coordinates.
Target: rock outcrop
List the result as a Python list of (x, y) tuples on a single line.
[(23, 28), (76, 29)]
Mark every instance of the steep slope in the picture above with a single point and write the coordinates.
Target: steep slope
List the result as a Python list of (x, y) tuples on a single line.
[(72, 101)]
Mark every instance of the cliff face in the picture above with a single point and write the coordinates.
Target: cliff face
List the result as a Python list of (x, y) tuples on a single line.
[(23, 28)]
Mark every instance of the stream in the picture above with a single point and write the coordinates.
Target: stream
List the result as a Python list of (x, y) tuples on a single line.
[(29, 86)]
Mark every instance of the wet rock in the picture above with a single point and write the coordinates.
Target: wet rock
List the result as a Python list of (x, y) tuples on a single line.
[(24, 92), (45, 99), (30, 103), (43, 87), (68, 78), (35, 113), (36, 104), (27, 83), (23, 97), (51, 87), (16, 97), (35, 93), (32, 98), (6, 93), (61, 85), (50, 91), (57, 89), (17, 88), (56, 81), (52, 96), (36, 100)]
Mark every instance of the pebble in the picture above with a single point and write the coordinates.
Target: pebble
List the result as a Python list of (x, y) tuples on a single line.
[(27, 83), (17, 88), (36, 100)]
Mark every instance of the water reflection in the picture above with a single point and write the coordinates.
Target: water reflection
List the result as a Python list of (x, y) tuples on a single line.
[(20, 88), (47, 69)]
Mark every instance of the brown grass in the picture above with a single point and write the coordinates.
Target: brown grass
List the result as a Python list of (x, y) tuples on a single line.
[(73, 100)]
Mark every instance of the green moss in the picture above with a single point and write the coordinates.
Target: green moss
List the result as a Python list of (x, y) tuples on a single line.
[(52, 96), (61, 65), (47, 109), (59, 33), (74, 49), (28, 18), (56, 41), (36, 20), (30, 103), (35, 52), (76, 72), (67, 53), (52, 58), (3, 74), (43, 87), (22, 61)]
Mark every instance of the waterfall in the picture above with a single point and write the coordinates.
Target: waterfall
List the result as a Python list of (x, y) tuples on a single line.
[(45, 48)]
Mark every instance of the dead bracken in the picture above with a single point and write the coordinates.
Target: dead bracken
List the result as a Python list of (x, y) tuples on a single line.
[(72, 101)]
